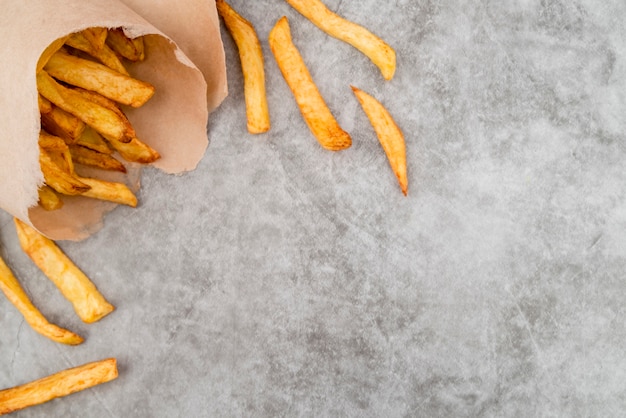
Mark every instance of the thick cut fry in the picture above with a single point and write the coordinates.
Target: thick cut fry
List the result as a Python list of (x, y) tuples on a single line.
[(62, 124), (58, 177), (92, 140), (99, 78), (44, 104), (312, 106), (75, 286), (48, 199), (136, 151), (251, 56), (110, 191), (57, 385), (86, 156), (105, 55), (131, 49), (18, 297), (379, 52), (389, 135), (102, 119), (96, 37)]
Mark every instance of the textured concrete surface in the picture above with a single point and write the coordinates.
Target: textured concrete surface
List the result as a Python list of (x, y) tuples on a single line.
[(279, 279)]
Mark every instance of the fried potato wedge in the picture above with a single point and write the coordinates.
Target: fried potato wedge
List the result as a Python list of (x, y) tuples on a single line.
[(48, 199), (251, 57), (44, 104), (74, 101), (94, 141), (379, 52), (62, 124), (389, 135), (110, 191), (87, 156), (99, 78), (57, 385), (58, 177), (136, 151), (314, 110), (96, 37), (131, 49), (105, 55), (75, 286), (18, 297)]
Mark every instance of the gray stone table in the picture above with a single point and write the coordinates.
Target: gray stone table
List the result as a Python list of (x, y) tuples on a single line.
[(281, 279)]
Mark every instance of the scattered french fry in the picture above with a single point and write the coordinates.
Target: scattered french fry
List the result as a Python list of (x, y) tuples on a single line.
[(75, 286), (57, 385), (131, 49), (379, 52), (316, 113), (18, 297), (105, 55), (389, 135), (251, 56), (99, 78)]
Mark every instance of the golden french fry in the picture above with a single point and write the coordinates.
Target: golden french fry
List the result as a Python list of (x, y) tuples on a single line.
[(74, 101), (48, 199), (136, 151), (75, 286), (57, 385), (49, 51), (131, 49), (105, 55), (86, 156), (110, 191), (389, 135), (92, 140), (251, 56), (316, 113), (96, 37), (379, 52), (44, 104), (57, 176), (62, 124), (18, 297), (99, 78)]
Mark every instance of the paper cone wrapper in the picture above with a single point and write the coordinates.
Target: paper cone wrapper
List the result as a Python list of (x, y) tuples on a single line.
[(173, 121)]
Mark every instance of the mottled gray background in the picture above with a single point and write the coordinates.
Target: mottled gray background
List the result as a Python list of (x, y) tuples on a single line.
[(280, 279)]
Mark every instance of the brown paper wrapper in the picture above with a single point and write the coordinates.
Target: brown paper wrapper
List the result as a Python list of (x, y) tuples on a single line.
[(174, 121)]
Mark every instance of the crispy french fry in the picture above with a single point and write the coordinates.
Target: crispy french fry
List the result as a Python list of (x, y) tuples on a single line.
[(44, 104), (57, 385), (136, 151), (96, 37), (58, 177), (86, 156), (251, 56), (48, 199), (389, 135), (102, 119), (62, 124), (92, 140), (18, 297), (49, 51), (110, 191), (105, 55), (99, 78), (75, 286), (379, 52), (131, 49), (312, 106)]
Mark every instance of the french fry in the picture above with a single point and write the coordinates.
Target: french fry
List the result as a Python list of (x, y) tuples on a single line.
[(58, 177), (379, 52), (86, 156), (18, 297), (316, 113), (251, 56), (389, 135), (57, 385), (110, 191), (75, 286), (102, 119), (92, 140), (99, 78), (131, 49), (49, 51), (136, 151), (96, 37), (44, 104), (62, 124), (48, 199), (105, 55)]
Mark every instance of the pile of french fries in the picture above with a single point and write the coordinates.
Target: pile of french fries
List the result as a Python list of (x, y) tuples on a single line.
[(313, 108)]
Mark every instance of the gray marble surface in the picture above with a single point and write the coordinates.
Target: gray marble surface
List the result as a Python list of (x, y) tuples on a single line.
[(280, 279)]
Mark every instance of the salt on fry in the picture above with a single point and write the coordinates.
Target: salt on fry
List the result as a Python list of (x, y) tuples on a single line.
[(314, 110), (57, 385), (389, 135)]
